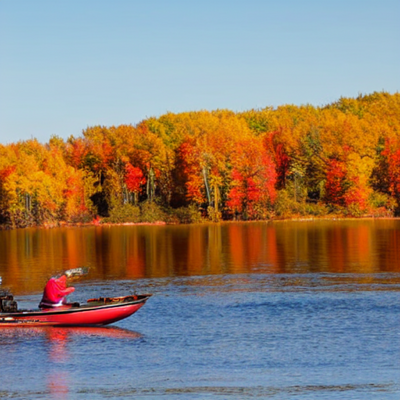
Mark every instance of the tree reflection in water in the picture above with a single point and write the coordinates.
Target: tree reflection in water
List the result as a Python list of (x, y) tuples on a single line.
[(29, 257)]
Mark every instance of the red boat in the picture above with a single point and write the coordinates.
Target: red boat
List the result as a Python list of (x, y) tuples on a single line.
[(96, 312)]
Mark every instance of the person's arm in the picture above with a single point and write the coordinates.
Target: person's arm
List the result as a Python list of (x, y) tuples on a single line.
[(65, 292)]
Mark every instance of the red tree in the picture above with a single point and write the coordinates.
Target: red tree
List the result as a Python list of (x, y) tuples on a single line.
[(134, 178), (392, 154), (6, 172), (280, 157), (253, 181), (189, 158), (335, 182)]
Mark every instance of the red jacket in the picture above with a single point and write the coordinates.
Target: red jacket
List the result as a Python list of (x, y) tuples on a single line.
[(55, 292)]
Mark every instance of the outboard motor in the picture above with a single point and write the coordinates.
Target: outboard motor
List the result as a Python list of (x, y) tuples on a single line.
[(7, 303)]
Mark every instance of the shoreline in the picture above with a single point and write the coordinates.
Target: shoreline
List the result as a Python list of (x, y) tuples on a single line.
[(163, 223)]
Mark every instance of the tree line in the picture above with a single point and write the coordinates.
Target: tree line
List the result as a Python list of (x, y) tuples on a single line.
[(339, 159)]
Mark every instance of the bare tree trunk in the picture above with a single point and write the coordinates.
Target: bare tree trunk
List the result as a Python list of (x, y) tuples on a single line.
[(206, 185)]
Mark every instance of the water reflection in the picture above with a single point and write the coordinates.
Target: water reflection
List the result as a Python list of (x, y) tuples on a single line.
[(56, 345), (58, 337), (29, 257), (57, 385)]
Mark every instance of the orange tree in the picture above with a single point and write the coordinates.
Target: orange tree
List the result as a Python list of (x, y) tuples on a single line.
[(252, 192)]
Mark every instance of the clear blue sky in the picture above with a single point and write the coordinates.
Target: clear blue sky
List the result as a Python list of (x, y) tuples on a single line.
[(69, 64)]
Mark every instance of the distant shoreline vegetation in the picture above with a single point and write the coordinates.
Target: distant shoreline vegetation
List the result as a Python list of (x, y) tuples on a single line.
[(340, 160)]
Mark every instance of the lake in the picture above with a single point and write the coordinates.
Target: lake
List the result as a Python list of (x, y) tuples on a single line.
[(279, 310)]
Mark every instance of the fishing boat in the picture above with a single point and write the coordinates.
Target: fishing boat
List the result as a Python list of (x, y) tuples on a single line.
[(96, 312)]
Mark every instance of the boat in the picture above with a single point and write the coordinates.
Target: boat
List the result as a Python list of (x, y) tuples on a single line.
[(96, 312)]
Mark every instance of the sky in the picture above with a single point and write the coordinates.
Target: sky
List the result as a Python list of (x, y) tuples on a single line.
[(67, 65)]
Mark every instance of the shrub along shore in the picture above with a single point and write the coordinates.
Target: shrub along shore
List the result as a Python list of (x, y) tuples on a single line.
[(334, 161)]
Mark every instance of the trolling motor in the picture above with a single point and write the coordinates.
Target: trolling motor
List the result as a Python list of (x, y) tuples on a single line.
[(7, 303)]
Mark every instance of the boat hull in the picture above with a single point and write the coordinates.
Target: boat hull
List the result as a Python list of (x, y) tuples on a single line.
[(97, 312)]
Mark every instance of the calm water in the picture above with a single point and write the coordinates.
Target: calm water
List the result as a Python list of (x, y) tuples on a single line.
[(302, 310)]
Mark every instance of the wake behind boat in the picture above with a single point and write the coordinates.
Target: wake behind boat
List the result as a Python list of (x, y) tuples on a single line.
[(96, 312)]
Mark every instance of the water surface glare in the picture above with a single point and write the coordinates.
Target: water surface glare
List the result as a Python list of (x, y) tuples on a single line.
[(276, 311)]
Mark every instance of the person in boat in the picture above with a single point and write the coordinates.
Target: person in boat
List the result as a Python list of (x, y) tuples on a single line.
[(55, 292)]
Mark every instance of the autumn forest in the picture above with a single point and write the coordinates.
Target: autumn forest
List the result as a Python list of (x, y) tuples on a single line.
[(342, 159)]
